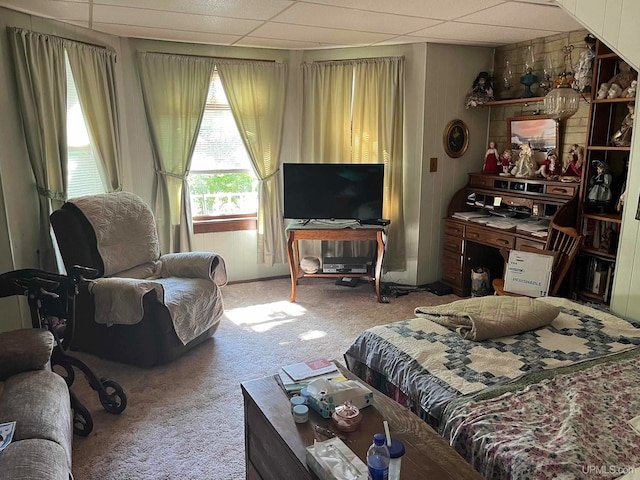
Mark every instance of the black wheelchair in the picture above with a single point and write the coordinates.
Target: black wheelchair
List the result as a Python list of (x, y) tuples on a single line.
[(51, 299)]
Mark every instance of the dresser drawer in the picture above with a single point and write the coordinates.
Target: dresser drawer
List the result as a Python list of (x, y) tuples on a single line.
[(528, 244), (490, 237), (452, 276), (452, 260), (568, 191), (479, 181), (453, 229), (453, 244)]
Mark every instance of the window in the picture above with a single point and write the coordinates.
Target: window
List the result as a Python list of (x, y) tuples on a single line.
[(83, 174), (224, 189)]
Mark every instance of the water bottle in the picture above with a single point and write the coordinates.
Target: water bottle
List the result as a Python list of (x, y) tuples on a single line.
[(378, 458)]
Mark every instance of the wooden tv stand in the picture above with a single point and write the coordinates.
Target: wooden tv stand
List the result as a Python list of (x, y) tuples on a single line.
[(315, 231)]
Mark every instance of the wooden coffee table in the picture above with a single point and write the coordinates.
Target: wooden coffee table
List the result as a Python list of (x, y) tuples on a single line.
[(275, 444)]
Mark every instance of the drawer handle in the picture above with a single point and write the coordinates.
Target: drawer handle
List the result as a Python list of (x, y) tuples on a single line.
[(561, 190), (503, 241), (474, 235)]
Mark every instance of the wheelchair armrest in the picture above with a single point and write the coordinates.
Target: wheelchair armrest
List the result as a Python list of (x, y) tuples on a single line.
[(23, 350)]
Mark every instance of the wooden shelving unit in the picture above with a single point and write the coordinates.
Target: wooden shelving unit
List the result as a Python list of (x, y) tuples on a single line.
[(510, 101), (595, 264)]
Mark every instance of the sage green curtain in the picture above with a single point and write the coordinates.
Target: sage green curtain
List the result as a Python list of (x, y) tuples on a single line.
[(326, 127), (377, 129), (353, 112), (174, 91), (256, 94), (42, 90), (94, 74)]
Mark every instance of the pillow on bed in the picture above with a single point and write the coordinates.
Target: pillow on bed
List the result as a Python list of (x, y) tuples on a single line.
[(480, 318)]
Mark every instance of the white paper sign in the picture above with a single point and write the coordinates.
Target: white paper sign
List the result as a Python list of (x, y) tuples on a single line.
[(528, 273), (6, 434)]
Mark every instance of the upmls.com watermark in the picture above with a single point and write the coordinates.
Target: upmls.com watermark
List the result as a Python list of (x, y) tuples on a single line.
[(608, 470)]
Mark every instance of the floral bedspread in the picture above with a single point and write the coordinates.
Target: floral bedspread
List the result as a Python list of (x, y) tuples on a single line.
[(570, 426)]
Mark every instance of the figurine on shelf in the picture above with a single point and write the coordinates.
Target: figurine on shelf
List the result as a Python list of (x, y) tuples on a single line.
[(481, 91), (492, 164), (506, 160), (599, 196), (618, 83), (603, 91), (631, 91), (549, 167), (525, 165), (573, 167), (584, 70), (622, 137)]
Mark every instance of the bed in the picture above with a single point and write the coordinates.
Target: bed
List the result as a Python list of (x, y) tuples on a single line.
[(558, 401)]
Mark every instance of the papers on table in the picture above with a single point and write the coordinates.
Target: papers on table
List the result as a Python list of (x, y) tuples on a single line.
[(290, 385), (470, 215), (533, 224), (312, 368)]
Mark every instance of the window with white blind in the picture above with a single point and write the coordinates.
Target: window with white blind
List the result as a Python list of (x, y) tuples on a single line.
[(224, 194), (83, 174)]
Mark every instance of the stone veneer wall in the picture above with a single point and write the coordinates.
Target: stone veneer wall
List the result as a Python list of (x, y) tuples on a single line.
[(572, 130)]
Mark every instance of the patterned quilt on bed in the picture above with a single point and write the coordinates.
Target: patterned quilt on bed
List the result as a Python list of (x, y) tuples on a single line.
[(433, 365), (571, 426)]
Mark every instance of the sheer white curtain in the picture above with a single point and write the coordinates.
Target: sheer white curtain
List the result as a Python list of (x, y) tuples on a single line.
[(256, 94), (42, 90), (377, 128), (174, 90), (94, 73)]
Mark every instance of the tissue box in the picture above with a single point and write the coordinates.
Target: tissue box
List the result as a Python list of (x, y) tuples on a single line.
[(329, 465), (325, 395)]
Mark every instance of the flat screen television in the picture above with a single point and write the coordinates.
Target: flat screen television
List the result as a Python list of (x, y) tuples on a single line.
[(337, 191)]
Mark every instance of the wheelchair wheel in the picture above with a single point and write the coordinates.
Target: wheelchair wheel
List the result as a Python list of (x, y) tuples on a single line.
[(82, 421), (115, 400)]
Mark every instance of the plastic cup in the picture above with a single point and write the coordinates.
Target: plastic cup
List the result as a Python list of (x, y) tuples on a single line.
[(396, 451)]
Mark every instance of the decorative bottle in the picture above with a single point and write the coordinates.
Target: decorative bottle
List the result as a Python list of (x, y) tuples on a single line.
[(378, 458)]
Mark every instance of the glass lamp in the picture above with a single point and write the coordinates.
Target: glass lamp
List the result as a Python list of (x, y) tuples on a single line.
[(562, 101)]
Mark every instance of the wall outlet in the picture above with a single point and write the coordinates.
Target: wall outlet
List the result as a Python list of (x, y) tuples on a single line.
[(433, 165)]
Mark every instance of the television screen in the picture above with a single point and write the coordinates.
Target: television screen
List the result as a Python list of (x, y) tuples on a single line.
[(333, 191)]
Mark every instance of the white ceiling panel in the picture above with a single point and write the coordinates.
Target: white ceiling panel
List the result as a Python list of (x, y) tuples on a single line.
[(312, 24), (249, 9), (178, 21), (441, 10), (352, 19), (523, 15)]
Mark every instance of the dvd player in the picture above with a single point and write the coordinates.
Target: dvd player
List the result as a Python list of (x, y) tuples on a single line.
[(344, 265)]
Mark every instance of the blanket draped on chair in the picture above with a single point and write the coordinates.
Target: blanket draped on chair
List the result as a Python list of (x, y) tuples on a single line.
[(186, 283)]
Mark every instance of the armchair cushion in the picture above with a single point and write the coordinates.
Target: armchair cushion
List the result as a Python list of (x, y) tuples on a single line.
[(124, 227), (24, 350)]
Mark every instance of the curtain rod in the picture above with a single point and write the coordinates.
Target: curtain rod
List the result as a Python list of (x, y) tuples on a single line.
[(206, 57), (65, 38)]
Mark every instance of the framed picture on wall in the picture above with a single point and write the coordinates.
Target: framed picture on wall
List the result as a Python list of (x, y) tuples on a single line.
[(540, 132), (456, 138)]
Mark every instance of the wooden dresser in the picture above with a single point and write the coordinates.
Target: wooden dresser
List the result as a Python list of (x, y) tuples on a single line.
[(468, 245)]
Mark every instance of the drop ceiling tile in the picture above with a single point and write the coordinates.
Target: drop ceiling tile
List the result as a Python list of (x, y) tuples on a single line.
[(302, 33), (248, 9), (61, 10), (351, 19), (134, 17), (480, 33), (165, 34), (280, 44), (442, 10), (524, 15)]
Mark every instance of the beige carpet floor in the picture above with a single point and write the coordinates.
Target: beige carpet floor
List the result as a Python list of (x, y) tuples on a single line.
[(185, 420)]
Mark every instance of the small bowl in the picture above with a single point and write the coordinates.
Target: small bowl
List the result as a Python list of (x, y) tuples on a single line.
[(347, 417), (310, 264)]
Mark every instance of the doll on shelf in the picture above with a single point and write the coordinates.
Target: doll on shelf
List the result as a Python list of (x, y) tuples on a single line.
[(481, 91), (599, 196), (549, 167), (492, 164), (573, 167), (622, 137), (506, 160), (525, 165)]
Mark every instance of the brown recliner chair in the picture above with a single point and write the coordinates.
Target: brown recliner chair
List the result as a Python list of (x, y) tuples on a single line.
[(141, 308)]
